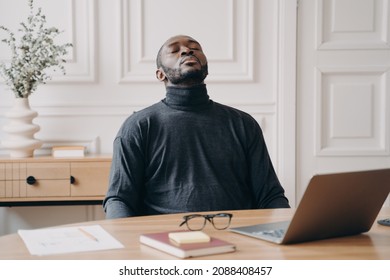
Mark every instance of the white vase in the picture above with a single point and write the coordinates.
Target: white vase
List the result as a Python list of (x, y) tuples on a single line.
[(21, 129)]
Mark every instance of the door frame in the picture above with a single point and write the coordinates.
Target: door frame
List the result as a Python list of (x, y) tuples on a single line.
[(286, 94)]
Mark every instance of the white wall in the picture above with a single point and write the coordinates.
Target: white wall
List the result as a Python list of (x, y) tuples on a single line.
[(110, 73)]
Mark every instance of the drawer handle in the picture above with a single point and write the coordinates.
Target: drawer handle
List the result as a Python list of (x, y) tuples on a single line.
[(31, 180)]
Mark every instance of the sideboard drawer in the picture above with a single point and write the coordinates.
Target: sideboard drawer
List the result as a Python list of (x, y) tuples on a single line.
[(48, 170), (48, 188), (48, 179), (90, 178)]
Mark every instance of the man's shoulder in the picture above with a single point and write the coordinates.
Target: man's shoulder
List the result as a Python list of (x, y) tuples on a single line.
[(238, 117), (233, 111), (138, 119), (145, 113)]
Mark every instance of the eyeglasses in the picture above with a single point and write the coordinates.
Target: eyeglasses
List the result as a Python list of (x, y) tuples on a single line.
[(198, 222)]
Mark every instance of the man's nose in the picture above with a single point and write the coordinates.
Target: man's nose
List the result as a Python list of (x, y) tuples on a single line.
[(186, 51)]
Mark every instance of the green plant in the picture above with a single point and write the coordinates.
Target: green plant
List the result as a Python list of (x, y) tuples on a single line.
[(35, 52)]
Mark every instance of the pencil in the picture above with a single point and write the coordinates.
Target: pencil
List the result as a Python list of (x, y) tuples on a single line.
[(87, 234)]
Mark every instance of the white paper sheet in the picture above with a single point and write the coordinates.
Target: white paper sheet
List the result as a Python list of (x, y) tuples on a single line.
[(68, 240)]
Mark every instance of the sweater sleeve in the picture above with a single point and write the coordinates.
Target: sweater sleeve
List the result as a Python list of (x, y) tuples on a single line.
[(125, 191), (265, 184)]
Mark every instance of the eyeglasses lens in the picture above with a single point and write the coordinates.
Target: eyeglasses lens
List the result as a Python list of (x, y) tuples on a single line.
[(196, 223), (221, 221)]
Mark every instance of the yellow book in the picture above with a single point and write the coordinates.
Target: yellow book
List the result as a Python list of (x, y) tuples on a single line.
[(188, 237)]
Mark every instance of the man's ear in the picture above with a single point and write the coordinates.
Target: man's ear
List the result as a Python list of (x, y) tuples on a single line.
[(160, 75)]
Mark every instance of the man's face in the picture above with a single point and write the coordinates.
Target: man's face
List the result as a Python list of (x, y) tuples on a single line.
[(183, 62)]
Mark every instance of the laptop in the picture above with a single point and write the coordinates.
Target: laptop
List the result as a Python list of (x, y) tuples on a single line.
[(333, 205)]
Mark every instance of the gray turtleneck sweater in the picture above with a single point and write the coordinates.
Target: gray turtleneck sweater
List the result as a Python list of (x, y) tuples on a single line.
[(187, 154)]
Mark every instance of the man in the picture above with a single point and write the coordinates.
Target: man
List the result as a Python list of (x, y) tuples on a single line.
[(188, 153)]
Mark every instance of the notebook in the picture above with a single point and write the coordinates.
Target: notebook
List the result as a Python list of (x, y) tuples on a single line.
[(333, 205)]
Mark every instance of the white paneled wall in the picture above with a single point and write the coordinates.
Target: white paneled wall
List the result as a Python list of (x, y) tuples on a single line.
[(343, 87), (250, 46)]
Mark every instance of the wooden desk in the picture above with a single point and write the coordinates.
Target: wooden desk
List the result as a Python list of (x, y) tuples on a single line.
[(372, 245)]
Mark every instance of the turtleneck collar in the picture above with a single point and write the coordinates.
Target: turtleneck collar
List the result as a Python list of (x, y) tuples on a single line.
[(192, 98)]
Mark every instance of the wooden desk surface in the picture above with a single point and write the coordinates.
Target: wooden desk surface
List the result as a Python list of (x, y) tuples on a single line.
[(372, 245)]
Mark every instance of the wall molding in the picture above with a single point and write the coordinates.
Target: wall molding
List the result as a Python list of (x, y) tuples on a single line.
[(327, 38), (83, 66), (375, 144), (123, 110), (135, 66)]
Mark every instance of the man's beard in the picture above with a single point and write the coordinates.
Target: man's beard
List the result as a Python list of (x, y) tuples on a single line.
[(194, 77)]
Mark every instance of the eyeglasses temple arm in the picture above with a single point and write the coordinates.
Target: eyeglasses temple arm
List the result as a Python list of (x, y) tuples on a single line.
[(183, 223)]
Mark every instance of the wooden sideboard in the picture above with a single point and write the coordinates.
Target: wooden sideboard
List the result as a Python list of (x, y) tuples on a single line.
[(53, 181)]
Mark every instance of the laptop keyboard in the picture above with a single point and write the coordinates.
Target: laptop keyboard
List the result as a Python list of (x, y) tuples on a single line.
[(277, 233)]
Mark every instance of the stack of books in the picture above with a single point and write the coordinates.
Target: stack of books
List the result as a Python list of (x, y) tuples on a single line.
[(186, 244)]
